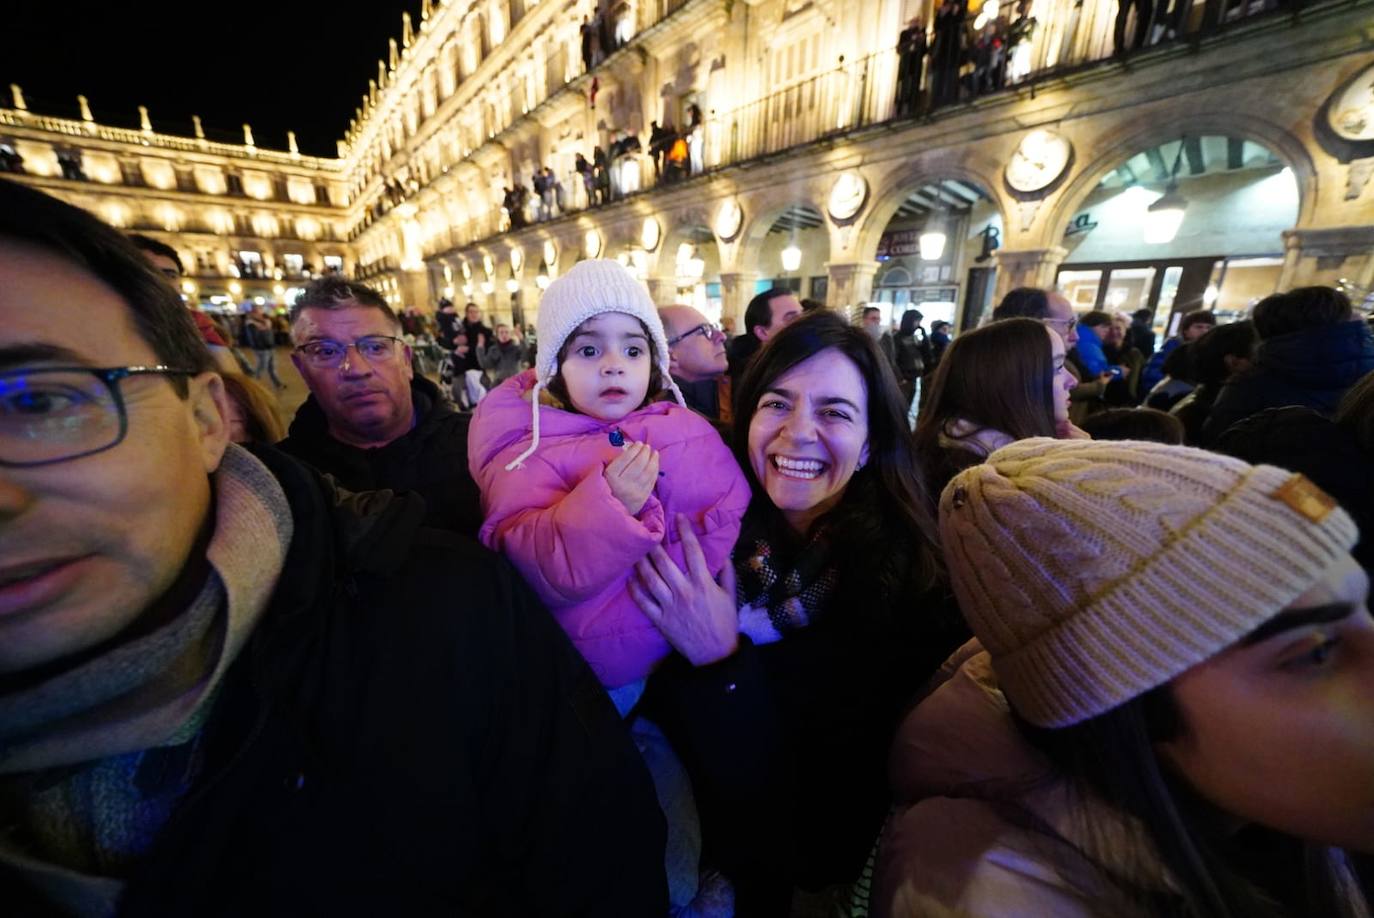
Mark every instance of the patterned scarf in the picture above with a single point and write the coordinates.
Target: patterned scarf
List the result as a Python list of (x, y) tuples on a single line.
[(94, 759), (777, 598)]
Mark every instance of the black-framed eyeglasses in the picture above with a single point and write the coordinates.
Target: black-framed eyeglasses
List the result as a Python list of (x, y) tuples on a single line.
[(705, 329), (326, 354), (1069, 324), (53, 414)]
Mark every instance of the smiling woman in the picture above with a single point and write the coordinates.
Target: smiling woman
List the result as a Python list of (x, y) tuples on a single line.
[(787, 689)]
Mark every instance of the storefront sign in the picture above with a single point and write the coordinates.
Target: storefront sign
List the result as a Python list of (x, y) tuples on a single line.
[(898, 244)]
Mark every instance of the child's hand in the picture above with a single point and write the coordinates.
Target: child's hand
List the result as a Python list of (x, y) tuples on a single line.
[(632, 475)]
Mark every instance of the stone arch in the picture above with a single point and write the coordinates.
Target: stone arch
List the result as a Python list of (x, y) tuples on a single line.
[(762, 209), (979, 170), (1243, 125)]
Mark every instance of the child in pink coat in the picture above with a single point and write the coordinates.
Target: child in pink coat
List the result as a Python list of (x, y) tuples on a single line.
[(576, 492)]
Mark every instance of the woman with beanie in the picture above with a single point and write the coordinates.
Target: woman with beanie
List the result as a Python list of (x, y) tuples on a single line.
[(792, 673), (1003, 382), (1166, 710)]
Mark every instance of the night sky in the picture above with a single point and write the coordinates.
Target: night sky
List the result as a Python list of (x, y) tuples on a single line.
[(279, 66)]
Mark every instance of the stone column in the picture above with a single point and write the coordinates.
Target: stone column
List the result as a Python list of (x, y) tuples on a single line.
[(736, 290), (1327, 256), (662, 290), (1027, 268), (850, 284), (413, 287)]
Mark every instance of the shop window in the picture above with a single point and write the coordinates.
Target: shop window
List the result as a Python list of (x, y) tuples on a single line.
[(1081, 288)]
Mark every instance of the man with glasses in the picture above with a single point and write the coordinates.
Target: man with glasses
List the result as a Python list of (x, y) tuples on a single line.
[(370, 421), (697, 362), (229, 688)]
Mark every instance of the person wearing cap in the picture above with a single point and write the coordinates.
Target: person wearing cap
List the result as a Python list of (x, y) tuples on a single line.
[(1166, 708)]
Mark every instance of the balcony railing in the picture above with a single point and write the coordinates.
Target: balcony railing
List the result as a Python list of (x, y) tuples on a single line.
[(957, 66)]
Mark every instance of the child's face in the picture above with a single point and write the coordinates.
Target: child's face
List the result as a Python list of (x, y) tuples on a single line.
[(606, 370)]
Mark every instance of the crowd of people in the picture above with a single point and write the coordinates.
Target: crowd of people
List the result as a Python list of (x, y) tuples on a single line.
[(661, 623)]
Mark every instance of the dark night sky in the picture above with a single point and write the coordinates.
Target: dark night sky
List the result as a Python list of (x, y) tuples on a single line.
[(282, 65)]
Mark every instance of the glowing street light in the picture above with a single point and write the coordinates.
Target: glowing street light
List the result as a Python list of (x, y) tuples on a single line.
[(932, 245), (791, 258)]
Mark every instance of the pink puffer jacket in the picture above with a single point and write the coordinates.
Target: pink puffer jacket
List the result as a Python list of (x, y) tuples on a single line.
[(557, 521)]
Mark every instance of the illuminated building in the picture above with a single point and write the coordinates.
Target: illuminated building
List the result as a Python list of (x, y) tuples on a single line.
[(1052, 166)]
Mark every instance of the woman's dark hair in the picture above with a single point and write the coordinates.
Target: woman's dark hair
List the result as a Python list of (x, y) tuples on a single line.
[(1356, 412), (160, 317), (1179, 364), (1096, 319), (1134, 424), (1000, 376), (1209, 353), (1300, 309), (559, 388), (1213, 870), (1023, 302), (1203, 316), (882, 531), (259, 407)]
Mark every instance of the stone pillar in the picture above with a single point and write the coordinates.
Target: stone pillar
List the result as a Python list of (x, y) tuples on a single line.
[(736, 290), (662, 290), (1327, 256), (1027, 268), (850, 284), (413, 287)]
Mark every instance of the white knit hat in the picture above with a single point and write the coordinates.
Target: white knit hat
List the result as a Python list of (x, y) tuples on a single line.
[(591, 288), (1096, 571)]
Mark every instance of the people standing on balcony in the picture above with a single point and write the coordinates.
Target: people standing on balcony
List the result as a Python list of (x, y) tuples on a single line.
[(948, 51), (1019, 43), (602, 168), (558, 203), (911, 60), (587, 31), (584, 169), (1144, 15), (543, 196), (659, 141), (696, 140), (675, 165)]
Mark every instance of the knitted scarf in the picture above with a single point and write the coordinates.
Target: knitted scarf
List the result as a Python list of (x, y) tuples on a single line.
[(93, 759), (778, 595)]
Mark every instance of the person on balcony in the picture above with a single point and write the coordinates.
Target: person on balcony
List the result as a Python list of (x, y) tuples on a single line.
[(911, 51)]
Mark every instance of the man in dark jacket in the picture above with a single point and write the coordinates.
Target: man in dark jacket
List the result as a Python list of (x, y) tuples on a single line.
[(506, 356), (228, 689), (1311, 350), (369, 421)]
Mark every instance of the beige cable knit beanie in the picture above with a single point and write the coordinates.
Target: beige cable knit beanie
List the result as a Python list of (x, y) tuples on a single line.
[(1095, 571)]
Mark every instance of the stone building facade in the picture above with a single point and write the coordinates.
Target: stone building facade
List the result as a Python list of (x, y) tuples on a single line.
[(797, 157)]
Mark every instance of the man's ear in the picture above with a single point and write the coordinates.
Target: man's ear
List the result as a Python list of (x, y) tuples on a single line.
[(410, 361), (210, 409), (672, 362), (760, 332)]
